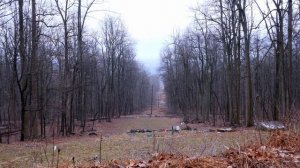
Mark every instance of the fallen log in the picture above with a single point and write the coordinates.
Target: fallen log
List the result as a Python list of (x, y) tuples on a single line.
[(140, 130), (270, 125)]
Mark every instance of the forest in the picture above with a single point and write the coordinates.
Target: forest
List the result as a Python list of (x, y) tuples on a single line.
[(238, 62), (56, 73), (76, 89)]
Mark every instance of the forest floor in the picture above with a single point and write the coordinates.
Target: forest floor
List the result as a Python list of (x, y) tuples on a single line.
[(117, 143)]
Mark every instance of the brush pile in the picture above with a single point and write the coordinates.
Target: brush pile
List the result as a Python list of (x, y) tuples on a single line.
[(169, 160), (281, 150)]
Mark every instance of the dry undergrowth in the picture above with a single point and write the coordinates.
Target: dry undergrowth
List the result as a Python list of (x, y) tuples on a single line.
[(281, 150), (285, 140)]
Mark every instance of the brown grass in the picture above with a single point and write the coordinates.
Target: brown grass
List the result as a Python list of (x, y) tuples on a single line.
[(123, 147), (252, 156), (119, 145)]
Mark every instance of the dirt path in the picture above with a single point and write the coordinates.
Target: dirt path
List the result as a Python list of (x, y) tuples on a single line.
[(143, 121), (160, 119)]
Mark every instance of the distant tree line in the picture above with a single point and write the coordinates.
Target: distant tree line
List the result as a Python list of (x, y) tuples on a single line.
[(238, 62), (56, 74)]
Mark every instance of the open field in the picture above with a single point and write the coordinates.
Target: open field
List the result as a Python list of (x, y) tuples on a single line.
[(118, 144)]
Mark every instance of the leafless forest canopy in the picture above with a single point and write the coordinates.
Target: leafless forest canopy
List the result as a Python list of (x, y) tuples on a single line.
[(237, 63), (55, 72)]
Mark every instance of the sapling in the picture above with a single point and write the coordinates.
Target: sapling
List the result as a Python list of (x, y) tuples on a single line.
[(73, 161), (58, 151), (154, 142), (100, 147), (53, 149)]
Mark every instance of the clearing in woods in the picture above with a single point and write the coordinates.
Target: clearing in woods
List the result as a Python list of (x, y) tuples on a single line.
[(117, 143)]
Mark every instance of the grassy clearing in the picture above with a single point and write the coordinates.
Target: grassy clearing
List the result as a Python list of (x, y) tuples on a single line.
[(123, 125), (117, 144), (125, 146)]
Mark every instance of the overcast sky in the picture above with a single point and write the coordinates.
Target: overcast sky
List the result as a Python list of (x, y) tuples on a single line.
[(150, 23)]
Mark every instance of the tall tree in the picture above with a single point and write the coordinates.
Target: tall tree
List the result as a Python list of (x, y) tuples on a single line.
[(289, 55), (22, 78), (247, 34), (34, 109)]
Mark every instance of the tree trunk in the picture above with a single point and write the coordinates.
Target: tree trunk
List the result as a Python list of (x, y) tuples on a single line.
[(34, 75), (22, 81), (289, 95)]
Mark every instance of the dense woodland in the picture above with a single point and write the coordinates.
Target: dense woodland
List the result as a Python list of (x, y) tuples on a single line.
[(238, 62), (56, 74)]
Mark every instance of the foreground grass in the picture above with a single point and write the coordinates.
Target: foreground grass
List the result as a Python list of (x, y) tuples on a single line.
[(124, 146)]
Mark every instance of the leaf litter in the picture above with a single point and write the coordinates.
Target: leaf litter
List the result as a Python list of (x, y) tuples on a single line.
[(281, 150)]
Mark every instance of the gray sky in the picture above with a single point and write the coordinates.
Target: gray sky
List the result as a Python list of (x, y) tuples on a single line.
[(150, 23)]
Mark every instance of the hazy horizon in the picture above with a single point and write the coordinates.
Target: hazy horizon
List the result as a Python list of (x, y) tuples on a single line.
[(150, 23)]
